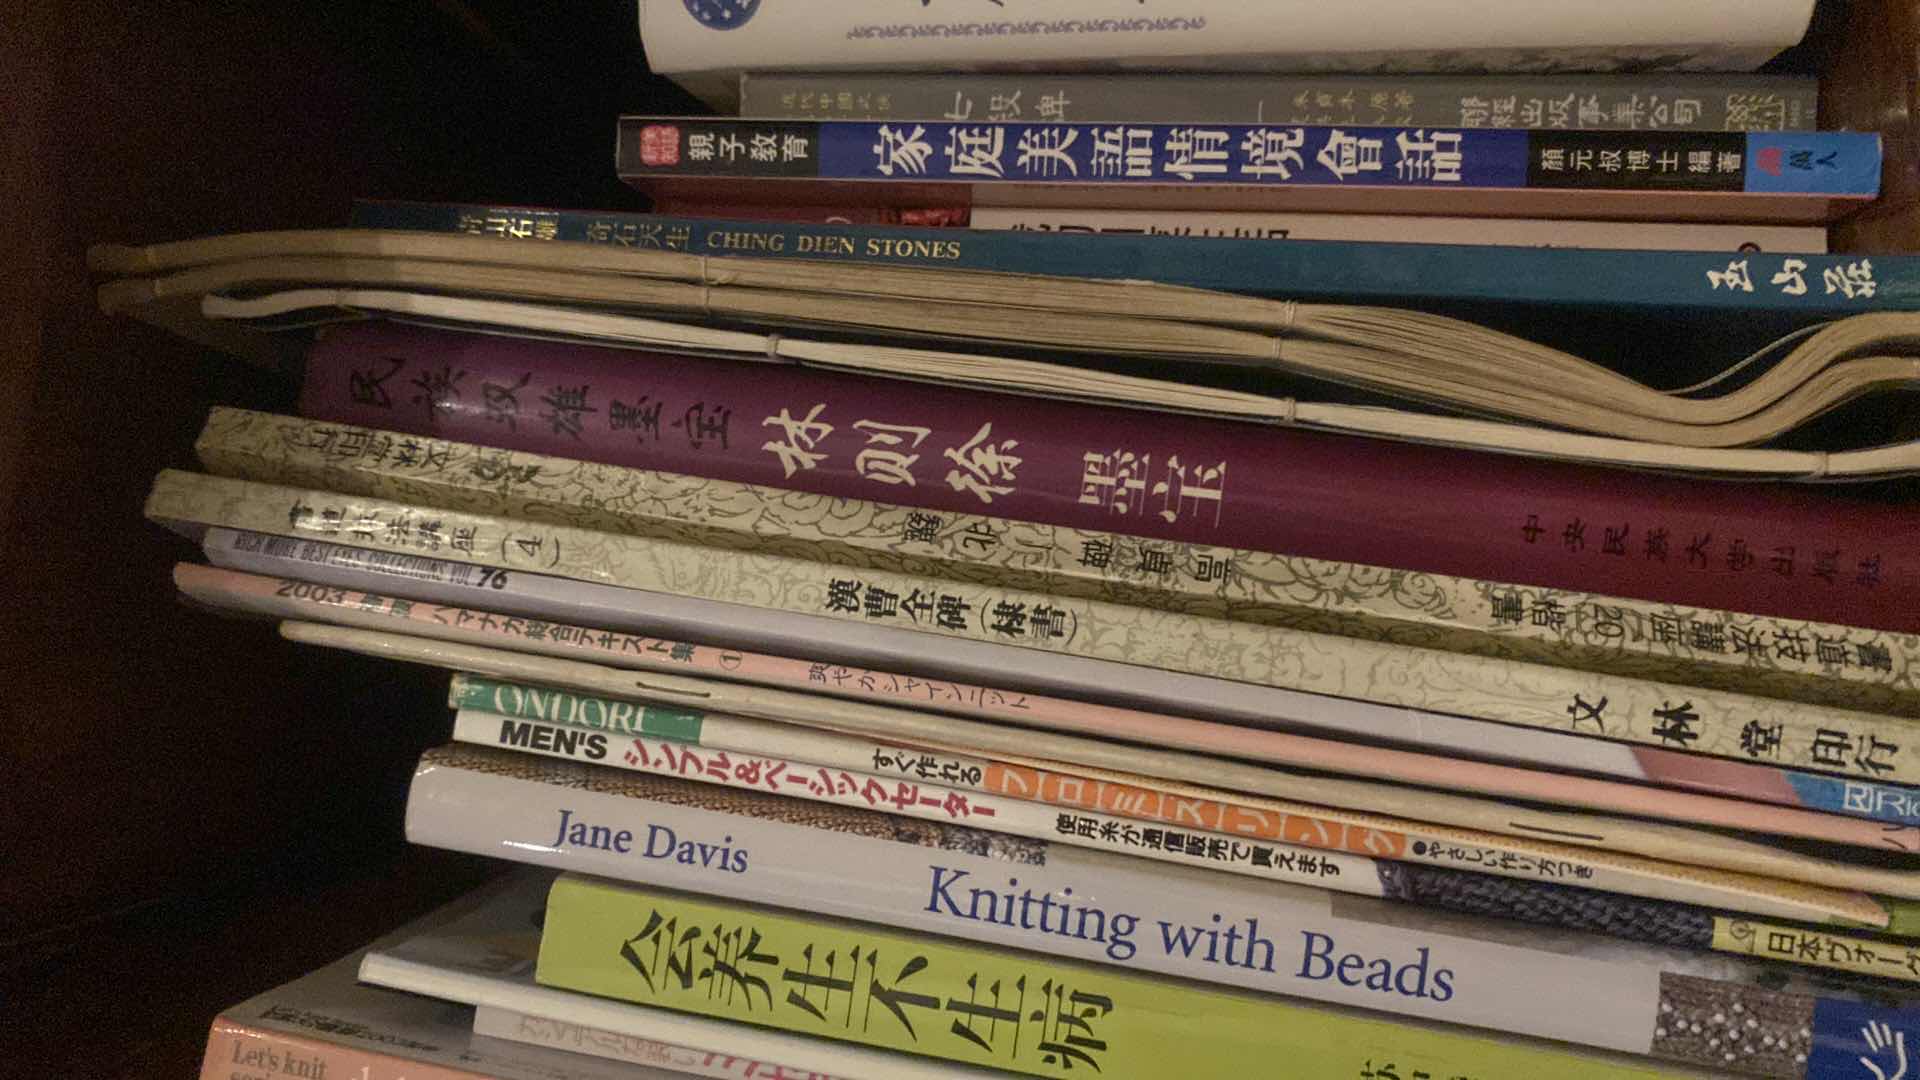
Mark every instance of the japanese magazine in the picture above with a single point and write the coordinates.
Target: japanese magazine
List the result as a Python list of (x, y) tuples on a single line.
[(1835, 665), (418, 597)]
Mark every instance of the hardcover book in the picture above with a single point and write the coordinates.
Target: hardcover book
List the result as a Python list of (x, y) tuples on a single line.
[(1653, 101), (704, 44), (1794, 552), (1438, 360), (1103, 760), (1783, 177), (1747, 240)]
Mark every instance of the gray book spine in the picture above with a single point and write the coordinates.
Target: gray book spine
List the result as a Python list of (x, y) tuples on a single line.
[(1662, 102)]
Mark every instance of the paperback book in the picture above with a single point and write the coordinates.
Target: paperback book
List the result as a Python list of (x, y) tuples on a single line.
[(940, 878), (1653, 101), (1403, 354), (1747, 240), (326, 1025), (705, 46), (616, 940), (430, 598), (1783, 177)]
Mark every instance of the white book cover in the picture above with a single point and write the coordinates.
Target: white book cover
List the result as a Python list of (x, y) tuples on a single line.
[(485, 956), (608, 607), (684, 37), (1407, 229), (946, 879)]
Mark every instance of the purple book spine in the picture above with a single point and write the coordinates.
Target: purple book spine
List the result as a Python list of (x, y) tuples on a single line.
[(1765, 549)]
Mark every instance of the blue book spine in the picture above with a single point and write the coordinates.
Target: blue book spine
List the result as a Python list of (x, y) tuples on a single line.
[(1265, 155), (1809, 286)]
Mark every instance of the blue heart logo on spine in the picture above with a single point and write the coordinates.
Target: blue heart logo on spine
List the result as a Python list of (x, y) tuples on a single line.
[(722, 14)]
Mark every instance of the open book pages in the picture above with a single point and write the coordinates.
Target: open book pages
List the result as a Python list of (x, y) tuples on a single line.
[(1440, 361)]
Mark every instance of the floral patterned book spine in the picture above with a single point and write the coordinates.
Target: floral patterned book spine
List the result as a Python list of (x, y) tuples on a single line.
[(1814, 662)]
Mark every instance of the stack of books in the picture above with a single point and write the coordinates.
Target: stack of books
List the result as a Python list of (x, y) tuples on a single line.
[(894, 647)]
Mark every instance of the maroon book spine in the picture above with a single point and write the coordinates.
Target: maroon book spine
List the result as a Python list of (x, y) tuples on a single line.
[(1784, 550)]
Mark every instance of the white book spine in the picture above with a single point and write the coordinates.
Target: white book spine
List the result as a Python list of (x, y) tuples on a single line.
[(1187, 845), (1124, 912), (716, 35), (816, 638), (1407, 229), (846, 1060)]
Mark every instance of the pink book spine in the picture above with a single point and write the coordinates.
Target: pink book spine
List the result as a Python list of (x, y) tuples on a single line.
[(236, 1051), (1783, 550)]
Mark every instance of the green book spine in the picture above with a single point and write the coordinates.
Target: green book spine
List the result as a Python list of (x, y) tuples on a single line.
[(991, 1007)]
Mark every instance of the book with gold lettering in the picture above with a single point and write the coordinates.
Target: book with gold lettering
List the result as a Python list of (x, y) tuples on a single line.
[(1508, 942)]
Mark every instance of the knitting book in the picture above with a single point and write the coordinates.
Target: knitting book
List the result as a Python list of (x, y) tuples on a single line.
[(943, 878), (1653, 101), (1028, 1013), (703, 45), (1457, 364)]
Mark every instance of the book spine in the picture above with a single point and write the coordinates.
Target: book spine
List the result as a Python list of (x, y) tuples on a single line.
[(1631, 102), (328, 583), (239, 1051), (472, 800), (1785, 551), (1331, 850), (321, 582), (1437, 611), (619, 940), (1704, 721), (1810, 286), (944, 879), (1403, 228), (519, 1027), (832, 215), (1249, 155), (1217, 34)]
